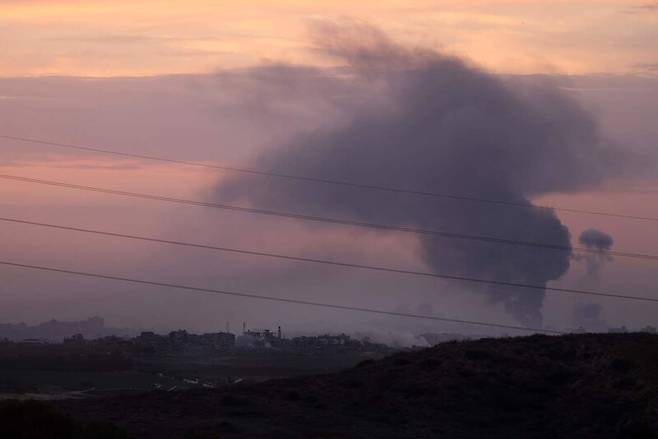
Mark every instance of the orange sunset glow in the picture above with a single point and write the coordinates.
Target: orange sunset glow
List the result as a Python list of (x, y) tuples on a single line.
[(151, 37)]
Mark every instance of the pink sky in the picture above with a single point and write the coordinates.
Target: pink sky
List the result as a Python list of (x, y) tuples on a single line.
[(156, 103), (229, 117), (151, 37)]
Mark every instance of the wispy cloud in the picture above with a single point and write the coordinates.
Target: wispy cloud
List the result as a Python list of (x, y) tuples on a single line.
[(647, 68), (642, 8), (137, 38)]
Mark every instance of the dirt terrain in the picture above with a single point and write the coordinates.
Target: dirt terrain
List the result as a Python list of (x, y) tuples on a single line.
[(576, 386)]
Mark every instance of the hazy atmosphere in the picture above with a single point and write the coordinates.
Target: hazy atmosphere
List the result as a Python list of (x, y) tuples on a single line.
[(297, 219), (432, 97)]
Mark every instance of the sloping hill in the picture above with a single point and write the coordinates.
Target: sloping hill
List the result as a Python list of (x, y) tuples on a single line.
[(576, 386)]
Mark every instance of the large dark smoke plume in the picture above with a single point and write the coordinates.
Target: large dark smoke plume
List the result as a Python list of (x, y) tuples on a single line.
[(444, 126)]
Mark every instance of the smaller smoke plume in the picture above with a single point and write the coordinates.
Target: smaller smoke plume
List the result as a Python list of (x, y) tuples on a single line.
[(588, 316), (601, 242), (596, 239)]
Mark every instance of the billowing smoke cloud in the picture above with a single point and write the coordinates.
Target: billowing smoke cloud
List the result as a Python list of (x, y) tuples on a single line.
[(444, 126), (599, 241)]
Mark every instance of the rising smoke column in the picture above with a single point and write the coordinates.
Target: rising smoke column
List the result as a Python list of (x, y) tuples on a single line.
[(600, 242), (446, 127), (589, 317)]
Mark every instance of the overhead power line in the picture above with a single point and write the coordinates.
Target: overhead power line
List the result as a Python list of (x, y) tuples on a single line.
[(329, 262), (321, 219), (276, 299), (227, 168)]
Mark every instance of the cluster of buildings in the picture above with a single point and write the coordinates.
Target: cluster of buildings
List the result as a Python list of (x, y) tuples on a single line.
[(93, 334), (267, 339), (184, 342), (622, 330), (56, 330)]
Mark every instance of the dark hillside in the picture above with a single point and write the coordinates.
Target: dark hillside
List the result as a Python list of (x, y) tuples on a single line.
[(576, 386)]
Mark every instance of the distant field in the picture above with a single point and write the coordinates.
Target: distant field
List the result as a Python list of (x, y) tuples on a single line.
[(58, 370), (602, 386)]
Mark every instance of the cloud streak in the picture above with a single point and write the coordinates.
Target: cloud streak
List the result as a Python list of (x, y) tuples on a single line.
[(645, 8)]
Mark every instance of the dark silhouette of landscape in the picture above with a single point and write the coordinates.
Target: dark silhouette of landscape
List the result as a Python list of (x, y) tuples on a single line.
[(576, 386)]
